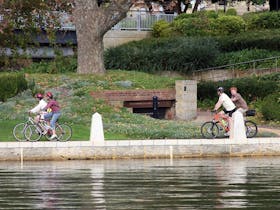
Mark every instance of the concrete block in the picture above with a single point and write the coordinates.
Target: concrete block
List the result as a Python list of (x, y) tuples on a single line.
[(124, 143), (196, 142), (171, 142), (183, 142), (86, 144), (13, 144), (148, 142), (159, 142), (38, 144), (3, 144), (50, 144), (136, 142), (110, 143)]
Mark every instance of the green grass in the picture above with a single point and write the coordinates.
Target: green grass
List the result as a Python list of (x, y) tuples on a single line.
[(6, 134), (73, 94)]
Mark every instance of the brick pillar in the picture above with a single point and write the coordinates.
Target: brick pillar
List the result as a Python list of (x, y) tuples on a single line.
[(186, 99)]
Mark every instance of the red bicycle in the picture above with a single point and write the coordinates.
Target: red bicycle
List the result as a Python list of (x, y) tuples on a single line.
[(219, 126)]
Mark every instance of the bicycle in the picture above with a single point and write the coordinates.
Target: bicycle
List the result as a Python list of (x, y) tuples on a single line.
[(32, 131), (219, 126)]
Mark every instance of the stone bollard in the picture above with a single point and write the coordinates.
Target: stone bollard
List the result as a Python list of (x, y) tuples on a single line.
[(96, 131), (237, 127)]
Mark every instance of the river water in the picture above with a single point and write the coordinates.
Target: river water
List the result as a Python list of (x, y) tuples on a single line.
[(142, 184)]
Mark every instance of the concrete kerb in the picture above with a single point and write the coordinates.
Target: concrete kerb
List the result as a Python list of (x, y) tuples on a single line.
[(114, 149)]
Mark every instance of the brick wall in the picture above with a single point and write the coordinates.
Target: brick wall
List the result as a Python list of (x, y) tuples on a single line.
[(134, 95)]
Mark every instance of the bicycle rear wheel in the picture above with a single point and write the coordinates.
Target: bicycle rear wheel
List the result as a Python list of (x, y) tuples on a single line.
[(19, 130), (251, 129), (63, 132), (33, 133), (209, 130)]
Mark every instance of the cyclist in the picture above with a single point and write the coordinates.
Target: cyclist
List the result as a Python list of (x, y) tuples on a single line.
[(226, 102), (238, 100), (228, 105), (53, 113), (39, 107)]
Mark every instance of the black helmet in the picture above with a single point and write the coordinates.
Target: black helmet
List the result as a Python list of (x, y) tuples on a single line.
[(220, 89)]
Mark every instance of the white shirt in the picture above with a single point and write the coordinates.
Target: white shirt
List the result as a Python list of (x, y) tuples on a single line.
[(40, 107), (226, 102)]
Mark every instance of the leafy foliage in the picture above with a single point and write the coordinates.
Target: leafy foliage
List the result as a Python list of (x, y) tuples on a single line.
[(270, 107), (225, 25), (11, 84), (250, 88), (172, 54)]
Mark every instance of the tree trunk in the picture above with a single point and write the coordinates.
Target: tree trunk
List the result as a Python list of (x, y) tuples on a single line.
[(274, 5), (197, 2), (92, 22)]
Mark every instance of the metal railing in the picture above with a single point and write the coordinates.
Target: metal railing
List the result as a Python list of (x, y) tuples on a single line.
[(135, 20), (257, 66), (142, 21)]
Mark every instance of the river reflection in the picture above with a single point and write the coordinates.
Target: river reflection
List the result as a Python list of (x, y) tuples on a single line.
[(142, 184)]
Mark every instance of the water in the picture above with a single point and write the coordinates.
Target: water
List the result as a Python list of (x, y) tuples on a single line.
[(142, 184)]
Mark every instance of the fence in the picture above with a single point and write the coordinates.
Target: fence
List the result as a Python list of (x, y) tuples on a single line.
[(142, 21), (237, 70)]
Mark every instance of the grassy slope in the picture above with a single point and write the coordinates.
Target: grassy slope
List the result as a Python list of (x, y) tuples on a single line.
[(72, 92)]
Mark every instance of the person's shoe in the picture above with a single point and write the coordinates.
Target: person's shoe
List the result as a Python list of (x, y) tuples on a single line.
[(227, 133), (54, 136)]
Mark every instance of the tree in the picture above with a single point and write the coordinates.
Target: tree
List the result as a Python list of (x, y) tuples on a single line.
[(92, 20), (21, 20), (274, 5)]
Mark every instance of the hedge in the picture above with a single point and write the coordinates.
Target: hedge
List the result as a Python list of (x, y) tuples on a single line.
[(247, 55), (11, 84), (226, 25), (263, 20), (270, 107), (168, 54), (266, 39), (251, 88)]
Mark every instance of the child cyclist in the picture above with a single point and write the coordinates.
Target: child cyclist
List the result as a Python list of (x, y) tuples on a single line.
[(39, 107), (53, 113)]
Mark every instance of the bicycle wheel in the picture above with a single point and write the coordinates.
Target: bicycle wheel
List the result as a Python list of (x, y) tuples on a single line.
[(63, 132), (33, 133), (209, 130), (251, 129), (19, 130)]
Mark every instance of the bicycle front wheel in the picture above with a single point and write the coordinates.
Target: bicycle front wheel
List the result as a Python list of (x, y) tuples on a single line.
[(19, 130), (209, 130), (33, 133), (63, 132), (251, 129)]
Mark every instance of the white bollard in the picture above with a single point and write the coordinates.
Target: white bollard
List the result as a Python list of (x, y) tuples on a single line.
[(238, 131), (96, 131)]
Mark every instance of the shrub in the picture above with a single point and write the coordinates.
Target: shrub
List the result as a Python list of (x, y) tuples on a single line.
[(11, 84), (270, 107), (267, 39), (264, 20), (59, 65), (162, 29), (226, 25), (231, 11), (192, 26), (173, 54), (250, 88), (247, 55)]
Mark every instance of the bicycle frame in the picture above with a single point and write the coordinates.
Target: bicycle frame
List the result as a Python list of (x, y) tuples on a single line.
[(218, 120)]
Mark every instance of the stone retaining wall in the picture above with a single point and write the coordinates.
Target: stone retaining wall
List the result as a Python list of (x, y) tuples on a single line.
[(83, 150)]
